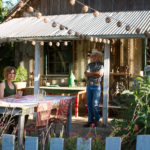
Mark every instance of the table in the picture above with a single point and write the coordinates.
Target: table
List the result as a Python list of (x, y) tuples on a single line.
[(25, 106), (76, 91)]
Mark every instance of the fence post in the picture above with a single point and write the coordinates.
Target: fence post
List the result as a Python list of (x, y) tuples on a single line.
[(56, 144), (143, 142), (8, 142), (113, 143), (83, 144), (31, 143)]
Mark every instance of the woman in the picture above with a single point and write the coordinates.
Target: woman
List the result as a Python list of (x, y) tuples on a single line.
[(7, 87)]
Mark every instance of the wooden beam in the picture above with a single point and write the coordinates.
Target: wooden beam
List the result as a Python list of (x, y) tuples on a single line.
[(37, 68), (106, 82)]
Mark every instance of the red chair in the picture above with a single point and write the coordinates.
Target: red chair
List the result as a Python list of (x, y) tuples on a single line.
[(61, 118), (41, 126)]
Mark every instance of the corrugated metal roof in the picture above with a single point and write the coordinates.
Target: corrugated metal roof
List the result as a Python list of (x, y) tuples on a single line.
[(86, 24)]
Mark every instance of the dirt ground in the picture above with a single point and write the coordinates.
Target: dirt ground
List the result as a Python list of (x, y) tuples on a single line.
[(77, 125)]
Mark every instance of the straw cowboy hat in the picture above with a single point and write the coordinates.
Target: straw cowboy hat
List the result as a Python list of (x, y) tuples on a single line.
[(95, 51)]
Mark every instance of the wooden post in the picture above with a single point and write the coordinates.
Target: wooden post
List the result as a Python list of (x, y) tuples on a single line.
[(106, 82), (37, 68)]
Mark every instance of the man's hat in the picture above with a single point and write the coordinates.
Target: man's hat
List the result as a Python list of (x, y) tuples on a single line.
[(95, 51)]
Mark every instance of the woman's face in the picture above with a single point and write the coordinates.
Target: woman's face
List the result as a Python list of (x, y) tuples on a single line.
[(11, 75)]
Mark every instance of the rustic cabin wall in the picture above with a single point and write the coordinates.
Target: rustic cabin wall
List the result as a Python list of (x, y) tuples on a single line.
[(56, 7), (24, 56)]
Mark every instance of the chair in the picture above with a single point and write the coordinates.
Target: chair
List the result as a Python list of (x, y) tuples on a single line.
[(42, 121), (61, 117)]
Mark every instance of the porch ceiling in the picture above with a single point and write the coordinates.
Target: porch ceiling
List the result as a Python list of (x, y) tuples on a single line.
[(29, 28)]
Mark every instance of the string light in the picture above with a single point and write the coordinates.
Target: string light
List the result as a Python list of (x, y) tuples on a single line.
[(137, 30), (69, 31), (54, 24), (85, 8), (41, 43), (72, 2), (96, 13), (65, 43), (50, 44), (30, 9), (33, 43), (127, 27), (46, 20), (107, 20), (119, 24), (57, 44), (62, 27), (38, 15)]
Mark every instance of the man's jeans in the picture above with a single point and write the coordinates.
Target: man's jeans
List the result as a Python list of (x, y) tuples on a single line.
[(93, 100)]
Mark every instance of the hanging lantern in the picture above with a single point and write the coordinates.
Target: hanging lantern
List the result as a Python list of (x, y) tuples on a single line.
[(146, 33), (77, 34), (45, 20), (99, 40), (107, 20), (104, 40), (119, 24), (96, 39), (96, 13), (85, 8), (54, 24), (91, 39), (62, 27), (127, 27), (50, 43), (57, 44), (65, 43), (21, 4), (137, 30), (30, 9), (38, 15), (41, 43), (69, 32), (72, 2), (33, 43)]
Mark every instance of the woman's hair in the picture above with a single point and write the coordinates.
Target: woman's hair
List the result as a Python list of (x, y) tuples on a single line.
[(7, 70)]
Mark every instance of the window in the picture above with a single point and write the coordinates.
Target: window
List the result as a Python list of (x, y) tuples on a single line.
[(57, 59)]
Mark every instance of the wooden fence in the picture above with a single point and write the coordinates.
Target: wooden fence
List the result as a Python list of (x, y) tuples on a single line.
[(112, 143)]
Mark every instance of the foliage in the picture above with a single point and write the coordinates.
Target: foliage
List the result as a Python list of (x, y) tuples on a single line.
[(138, 121), (21, 74), (97, 142)]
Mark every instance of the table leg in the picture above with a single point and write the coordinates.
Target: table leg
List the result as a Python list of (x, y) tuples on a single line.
[(76, 105), (69, 120), (21, 131)]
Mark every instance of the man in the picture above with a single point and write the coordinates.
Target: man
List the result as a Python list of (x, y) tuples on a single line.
[(94, 73)]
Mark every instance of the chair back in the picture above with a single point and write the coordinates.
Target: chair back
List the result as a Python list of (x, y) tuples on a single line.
[(43, 113), (63, 109)]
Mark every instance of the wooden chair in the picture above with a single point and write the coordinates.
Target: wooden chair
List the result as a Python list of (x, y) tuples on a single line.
[(61, 117), (41, 126)]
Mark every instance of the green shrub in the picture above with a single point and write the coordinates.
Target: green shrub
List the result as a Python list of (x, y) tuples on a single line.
[(21, 74)]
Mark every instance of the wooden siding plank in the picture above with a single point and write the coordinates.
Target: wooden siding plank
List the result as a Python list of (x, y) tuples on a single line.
[(83, 144), (31, 143), (8, 142), (143, 142), (113, 143), (56, 144)]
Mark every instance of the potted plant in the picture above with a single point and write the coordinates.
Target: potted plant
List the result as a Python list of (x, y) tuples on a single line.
[(21, 77)]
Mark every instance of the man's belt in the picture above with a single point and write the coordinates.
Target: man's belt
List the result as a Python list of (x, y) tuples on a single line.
[(93, 83)]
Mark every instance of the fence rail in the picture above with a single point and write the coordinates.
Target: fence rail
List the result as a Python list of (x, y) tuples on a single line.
[(112, 143)]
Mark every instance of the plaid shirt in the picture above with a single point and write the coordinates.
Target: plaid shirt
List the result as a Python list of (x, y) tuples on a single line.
[(95, 67)]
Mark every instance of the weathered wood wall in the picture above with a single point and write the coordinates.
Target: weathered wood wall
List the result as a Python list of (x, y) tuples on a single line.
[(53, 7)]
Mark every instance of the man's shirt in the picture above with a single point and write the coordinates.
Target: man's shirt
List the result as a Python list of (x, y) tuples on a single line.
[(95, 67)]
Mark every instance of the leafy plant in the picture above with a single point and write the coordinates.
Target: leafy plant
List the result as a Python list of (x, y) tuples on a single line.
[(138, 121), (21, 74)]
